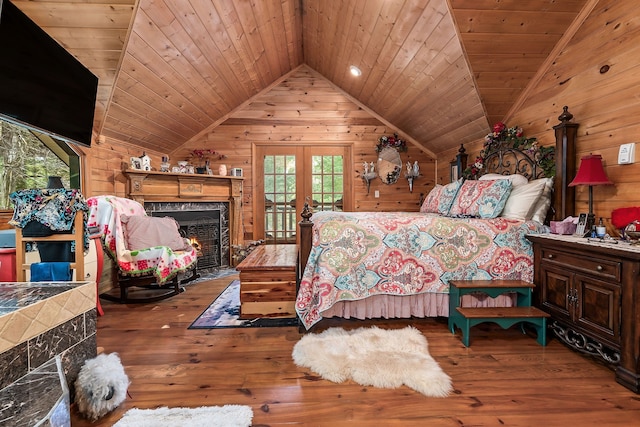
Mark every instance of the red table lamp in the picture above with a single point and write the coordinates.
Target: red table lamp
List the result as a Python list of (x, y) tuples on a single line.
[(591, 172)]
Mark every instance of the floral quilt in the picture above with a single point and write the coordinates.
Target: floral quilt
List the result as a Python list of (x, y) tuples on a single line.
[(358, 254), (54, 208), (161, 261)]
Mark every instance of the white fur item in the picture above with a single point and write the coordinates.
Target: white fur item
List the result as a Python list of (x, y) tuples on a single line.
[(386, 358), (101, 386), (204, 416)]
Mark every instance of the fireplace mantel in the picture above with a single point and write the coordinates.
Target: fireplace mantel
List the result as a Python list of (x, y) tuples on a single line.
[(151, 186)]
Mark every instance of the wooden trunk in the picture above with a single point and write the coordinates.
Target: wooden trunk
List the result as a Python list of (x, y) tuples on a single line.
[(268, 282)]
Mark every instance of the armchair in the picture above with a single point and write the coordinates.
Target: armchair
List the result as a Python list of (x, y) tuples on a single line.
[(159, 270)]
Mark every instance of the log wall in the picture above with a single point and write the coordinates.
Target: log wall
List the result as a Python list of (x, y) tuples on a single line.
[(302, 108), (596, 75), (306, 108)]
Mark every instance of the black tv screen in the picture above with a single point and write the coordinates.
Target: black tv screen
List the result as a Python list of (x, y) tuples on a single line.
[(41, 84)]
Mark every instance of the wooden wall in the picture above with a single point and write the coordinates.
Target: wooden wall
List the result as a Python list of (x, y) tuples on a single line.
[(103, 163), (303, 107), (597, 75)]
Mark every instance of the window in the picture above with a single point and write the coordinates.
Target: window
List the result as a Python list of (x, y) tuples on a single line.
[(28, 158)]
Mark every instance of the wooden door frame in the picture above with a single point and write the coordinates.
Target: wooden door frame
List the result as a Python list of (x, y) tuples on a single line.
[(257, 178)]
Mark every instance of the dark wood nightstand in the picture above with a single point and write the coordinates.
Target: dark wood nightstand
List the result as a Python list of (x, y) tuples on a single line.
[(590, 288)]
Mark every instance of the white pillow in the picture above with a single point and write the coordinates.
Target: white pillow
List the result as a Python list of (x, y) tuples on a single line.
[(515, 179), (522, 200), (543, 204)]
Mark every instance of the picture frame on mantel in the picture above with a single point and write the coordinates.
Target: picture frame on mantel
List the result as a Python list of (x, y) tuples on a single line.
[(135, 163)]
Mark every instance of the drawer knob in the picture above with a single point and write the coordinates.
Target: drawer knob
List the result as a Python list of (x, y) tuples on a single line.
[(550, 256), (599, 268)]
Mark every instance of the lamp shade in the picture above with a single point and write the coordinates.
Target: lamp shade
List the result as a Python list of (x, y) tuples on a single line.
[(591, 172)]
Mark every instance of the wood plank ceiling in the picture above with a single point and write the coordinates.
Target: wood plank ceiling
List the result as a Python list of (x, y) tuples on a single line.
[(170, 69)]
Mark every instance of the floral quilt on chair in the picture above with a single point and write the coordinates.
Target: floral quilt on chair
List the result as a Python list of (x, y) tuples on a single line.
[(161, 261)]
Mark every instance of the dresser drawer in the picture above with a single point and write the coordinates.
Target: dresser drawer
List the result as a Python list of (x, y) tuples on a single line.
[(599, 267)]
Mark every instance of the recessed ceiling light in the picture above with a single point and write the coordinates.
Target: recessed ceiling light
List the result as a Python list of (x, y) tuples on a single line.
[(355, 71)]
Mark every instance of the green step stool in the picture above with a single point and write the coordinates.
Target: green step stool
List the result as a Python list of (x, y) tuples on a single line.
[(466, 317)]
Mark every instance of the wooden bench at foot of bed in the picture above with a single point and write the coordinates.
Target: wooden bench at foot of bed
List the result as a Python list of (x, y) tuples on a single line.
[(268, 282)]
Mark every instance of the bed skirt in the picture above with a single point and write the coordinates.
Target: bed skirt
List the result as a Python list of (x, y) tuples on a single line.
[(406, 306)]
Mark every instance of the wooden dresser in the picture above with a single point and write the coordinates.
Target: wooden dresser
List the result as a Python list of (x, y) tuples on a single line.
[(591, 290)]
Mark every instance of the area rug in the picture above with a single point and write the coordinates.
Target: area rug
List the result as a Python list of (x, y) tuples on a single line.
[(224, 312), (385, 358), (213, 274), (204, 416)]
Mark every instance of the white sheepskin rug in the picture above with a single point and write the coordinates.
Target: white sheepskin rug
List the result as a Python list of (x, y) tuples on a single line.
[(386, 358), (204, 416)]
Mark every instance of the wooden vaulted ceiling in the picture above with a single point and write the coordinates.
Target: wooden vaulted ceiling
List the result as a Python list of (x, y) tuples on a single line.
[(441, 71)]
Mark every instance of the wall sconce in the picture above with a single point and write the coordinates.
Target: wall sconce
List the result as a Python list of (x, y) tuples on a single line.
[(369, 173), (412, 173)]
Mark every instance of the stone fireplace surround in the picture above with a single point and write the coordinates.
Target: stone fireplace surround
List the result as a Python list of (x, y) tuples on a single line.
[(173, 209), (160, 190)]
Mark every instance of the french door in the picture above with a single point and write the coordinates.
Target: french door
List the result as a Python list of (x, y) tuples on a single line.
[(289, 175)]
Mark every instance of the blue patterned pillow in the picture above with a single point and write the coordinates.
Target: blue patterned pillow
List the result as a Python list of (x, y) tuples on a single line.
[(484, 199), (447, 195)]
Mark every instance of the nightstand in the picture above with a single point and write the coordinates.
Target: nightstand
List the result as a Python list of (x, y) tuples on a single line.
[(590, 289)]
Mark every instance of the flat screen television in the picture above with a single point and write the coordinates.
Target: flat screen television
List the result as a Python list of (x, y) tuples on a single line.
[(42, 86)]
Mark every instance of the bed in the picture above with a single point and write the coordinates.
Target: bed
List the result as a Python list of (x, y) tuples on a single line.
[(398, 264)]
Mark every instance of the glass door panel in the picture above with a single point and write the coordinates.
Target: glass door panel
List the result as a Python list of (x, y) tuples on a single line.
[(279, 198), (289, 176), (327, 182)]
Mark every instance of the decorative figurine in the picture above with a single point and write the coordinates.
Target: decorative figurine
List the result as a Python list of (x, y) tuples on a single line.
[(412, 173), (165, 165), (145, 162)]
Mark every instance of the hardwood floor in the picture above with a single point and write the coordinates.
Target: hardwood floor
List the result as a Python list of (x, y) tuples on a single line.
[(503, 378)]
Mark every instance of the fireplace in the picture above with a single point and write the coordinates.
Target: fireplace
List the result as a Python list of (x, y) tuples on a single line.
[(205, 224), (177, 195)]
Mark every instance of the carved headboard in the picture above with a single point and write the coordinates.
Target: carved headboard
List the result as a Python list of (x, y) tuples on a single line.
[(535, 162), (504, 159)]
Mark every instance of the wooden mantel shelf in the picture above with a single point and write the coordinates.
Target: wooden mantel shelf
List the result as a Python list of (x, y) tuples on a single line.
[(152, 186)]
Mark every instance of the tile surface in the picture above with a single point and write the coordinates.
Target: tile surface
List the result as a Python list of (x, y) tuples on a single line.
[(30, 309)]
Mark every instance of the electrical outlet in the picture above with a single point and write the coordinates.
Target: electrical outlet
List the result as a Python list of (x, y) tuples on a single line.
[(376, 194), (626, 154)]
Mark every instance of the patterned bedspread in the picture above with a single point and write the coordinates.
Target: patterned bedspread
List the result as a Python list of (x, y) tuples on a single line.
[(359, 254)]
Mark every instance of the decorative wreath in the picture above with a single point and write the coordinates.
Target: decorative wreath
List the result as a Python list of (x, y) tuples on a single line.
[(392, 141)]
